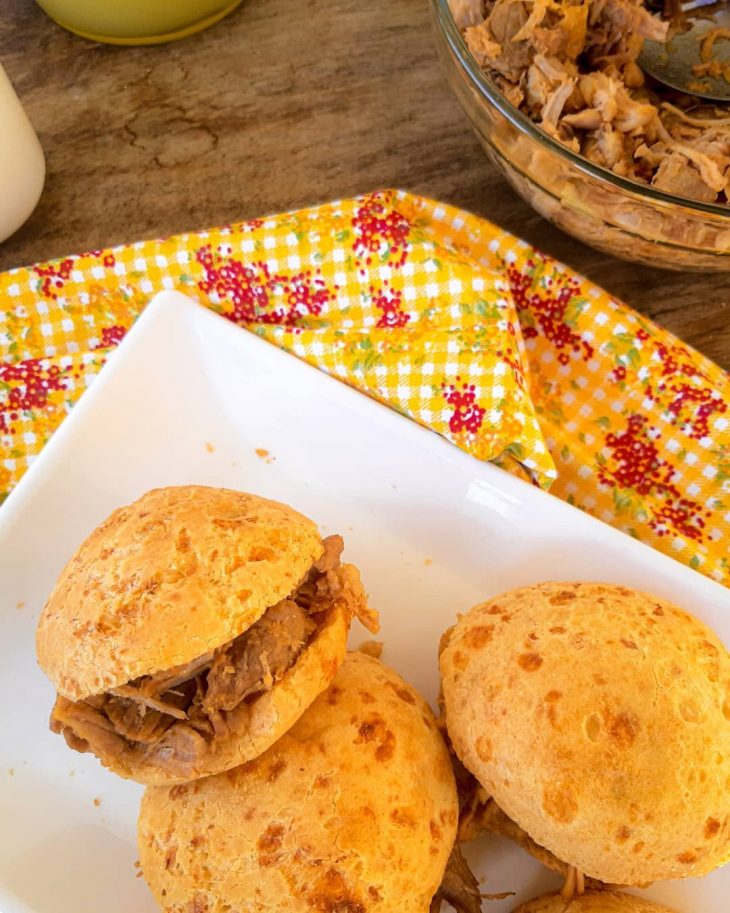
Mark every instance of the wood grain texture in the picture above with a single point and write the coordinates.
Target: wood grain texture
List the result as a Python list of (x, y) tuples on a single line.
[(281, 105)]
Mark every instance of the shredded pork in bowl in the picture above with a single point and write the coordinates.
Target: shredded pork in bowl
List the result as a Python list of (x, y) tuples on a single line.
[(555, 93)]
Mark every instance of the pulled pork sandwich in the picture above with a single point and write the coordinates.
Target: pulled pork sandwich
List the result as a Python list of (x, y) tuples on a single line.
[(353, 810), (601, 902), (596, 720), (192, 629)]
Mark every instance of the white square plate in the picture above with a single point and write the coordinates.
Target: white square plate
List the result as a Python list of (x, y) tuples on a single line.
[(190, 398)]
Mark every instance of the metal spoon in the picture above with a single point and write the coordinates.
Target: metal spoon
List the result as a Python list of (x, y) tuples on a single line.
[(673, 63)]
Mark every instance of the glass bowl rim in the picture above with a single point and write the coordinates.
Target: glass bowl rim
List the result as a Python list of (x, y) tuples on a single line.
[(489, 91)]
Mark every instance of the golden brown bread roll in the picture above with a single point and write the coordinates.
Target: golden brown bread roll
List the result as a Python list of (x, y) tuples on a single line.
[(353, 810), (599, 720), (600, 902), (192, 628)]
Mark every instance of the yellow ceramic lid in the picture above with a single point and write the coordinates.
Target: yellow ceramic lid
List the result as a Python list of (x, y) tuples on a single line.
[(137, 22)]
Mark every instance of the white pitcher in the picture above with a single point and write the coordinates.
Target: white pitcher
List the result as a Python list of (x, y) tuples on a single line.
[(22, 165)]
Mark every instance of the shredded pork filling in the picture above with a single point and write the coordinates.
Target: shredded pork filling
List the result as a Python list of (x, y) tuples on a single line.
[(571, 65), (174, 715), (458, 887), (481, 815)]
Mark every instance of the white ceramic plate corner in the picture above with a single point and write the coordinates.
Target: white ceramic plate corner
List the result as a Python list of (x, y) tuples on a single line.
[(188, 397)]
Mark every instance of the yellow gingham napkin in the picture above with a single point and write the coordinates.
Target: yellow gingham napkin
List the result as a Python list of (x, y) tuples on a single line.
[(435, 312)]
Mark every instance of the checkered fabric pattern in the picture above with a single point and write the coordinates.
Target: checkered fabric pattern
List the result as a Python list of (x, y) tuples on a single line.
[(438, 314)]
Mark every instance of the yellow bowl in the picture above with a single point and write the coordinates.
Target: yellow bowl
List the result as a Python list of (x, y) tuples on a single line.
[(136, 21)]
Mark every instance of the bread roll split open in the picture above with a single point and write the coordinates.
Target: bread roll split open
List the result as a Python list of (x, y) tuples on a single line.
[(192, 628)]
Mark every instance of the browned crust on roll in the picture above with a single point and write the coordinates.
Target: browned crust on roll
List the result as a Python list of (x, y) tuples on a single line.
[(172, 576), (598, 718), (354, 809), (603, 902)]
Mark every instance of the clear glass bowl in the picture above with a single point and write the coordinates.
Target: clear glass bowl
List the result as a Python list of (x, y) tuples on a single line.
[(622, 217)]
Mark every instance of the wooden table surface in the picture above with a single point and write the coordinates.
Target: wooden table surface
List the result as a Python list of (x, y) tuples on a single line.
[(281, 105)]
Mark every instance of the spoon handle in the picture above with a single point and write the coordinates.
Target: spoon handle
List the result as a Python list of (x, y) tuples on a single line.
[(692, 5)]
